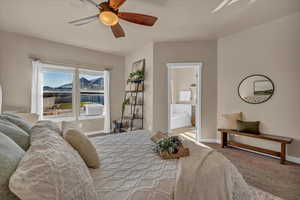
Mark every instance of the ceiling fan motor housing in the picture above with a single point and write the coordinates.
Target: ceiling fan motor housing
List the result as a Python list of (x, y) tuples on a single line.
[(104, 6)]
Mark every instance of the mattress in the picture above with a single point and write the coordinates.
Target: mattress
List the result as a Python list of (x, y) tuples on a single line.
[(130, 170)]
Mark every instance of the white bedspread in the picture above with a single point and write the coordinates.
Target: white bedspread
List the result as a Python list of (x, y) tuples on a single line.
[(130, 170)]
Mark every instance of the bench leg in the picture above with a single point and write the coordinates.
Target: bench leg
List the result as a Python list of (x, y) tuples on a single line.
[(224, 139), (282, 153)]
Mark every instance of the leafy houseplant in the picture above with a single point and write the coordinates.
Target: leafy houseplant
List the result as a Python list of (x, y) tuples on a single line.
[(126, 102), (135, 77), (171, 145), (193, 85)]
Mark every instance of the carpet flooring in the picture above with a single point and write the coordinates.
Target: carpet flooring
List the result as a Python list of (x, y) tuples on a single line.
[(264, 172)]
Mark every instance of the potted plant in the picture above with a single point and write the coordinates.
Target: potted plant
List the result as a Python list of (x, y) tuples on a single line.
[(125, 102), (193, 85), (136, 77)]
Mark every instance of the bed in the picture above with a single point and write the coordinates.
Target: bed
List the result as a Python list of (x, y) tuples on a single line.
[(181, 115), (130, 170)]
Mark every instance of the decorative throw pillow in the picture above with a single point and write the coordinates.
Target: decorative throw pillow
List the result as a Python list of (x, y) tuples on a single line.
[(84, 146), (158, 136), (13, 114), (15, 133), (229, 120), (51, 169), (18, 121), (248, 127), (50, 125), (30, 118), (10, 156)]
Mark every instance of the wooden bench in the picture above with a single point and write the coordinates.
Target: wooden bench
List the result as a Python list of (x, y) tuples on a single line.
[(283, 140)]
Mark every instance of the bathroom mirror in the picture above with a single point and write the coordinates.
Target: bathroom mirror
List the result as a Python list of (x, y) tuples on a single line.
[(256, 89)]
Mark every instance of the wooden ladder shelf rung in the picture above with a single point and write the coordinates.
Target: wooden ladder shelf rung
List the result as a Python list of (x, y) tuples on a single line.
[(133, 106)]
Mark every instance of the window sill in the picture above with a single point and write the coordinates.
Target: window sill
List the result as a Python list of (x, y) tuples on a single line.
[(91, 117), (59, 119), (68, 119)]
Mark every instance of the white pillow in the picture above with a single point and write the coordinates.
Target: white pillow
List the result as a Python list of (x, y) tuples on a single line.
[(229, 121), (49, 125), (51, 169)]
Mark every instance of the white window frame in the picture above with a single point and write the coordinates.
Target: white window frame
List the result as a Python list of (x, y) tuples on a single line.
[(92, 73), (76, 91)]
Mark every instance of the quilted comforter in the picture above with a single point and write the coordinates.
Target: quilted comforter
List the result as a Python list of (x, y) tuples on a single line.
[(130, 170)]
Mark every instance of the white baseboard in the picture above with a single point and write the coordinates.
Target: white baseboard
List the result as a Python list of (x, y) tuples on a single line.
[(293, 159), (211, 141), (288, 158)]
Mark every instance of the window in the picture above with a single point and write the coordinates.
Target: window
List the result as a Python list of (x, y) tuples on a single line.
[(57, 94), (91, 93), (66, 93)]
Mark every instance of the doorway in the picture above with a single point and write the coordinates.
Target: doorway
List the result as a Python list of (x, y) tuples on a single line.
[(184, 99)]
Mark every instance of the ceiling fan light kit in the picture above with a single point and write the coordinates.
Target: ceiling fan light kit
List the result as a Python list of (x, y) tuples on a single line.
[(108, 18), (109, 15)]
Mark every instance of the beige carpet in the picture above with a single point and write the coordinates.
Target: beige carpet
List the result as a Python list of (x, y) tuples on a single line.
[(189, 131), (265, 173)]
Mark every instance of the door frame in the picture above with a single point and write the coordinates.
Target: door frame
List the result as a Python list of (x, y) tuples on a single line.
[(198, 66)]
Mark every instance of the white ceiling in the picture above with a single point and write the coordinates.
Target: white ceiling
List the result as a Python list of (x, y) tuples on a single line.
[(178, 20)]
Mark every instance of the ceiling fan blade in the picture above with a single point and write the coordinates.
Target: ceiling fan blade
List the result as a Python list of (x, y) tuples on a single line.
[(115, 4), (118, 31), (221, 5), (136, 18), (83, 23), (91, 2), (84, 19)]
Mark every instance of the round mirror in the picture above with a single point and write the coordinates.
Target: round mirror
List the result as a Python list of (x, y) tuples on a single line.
[(256, 89)]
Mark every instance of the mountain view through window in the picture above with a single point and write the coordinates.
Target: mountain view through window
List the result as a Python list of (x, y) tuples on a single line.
[(91, 95), (59, 94)]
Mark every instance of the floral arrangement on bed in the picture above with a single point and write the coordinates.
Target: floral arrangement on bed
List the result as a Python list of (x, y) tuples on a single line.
[(171, 144), (171, 148)]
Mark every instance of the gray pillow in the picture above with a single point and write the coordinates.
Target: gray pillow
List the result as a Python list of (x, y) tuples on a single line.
[(52, 170), (15, 133), (11, 114), (10, 156), (17, 121)]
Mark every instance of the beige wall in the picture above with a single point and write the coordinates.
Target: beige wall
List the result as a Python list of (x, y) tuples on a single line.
[(144, 53), (16, 69), (182, 78), (192, 51), (272, 49)]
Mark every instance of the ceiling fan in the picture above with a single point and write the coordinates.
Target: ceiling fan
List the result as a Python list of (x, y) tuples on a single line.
[(109, 15), (225, 3)]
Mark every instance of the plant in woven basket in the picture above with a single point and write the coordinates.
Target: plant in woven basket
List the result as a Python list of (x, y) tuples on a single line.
[(171, 145)]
